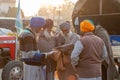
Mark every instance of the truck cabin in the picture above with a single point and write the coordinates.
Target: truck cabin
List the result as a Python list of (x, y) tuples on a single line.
[(100, 12), (103, 14)]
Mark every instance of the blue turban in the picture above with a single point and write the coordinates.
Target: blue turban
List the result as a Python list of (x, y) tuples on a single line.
[(65, 25), (37, 22)]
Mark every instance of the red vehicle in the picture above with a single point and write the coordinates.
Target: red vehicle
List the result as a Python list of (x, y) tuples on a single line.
[(7, 46), (7, 56), (9, 52)]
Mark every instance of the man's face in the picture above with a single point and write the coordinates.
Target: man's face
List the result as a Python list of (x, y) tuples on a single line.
[(49, 29), (65, 31), (37, 30)]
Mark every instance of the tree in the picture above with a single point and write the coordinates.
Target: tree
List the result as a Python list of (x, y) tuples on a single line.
[(46, 11), (67, 8), (63, 11)]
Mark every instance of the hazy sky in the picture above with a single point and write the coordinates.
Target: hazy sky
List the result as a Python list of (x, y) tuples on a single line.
[(30, 7)]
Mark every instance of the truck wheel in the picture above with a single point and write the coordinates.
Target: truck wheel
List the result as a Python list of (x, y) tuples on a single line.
[(13, 70)]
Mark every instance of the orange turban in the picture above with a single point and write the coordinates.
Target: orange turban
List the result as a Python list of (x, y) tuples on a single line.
[(86, 26)]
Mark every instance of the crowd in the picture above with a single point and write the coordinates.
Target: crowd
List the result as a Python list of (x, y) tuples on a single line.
[(74, 57)]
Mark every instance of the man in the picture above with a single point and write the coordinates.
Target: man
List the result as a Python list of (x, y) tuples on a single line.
[(91, 52), (69, 37), (46, 42), (28, 47), (109, 70)]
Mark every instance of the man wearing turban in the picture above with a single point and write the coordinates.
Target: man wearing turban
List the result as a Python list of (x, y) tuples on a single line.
[(91, 53), (66, 72), (46, 42), (28, 48)]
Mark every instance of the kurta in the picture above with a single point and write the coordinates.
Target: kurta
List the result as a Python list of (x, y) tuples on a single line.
[(45, 45)]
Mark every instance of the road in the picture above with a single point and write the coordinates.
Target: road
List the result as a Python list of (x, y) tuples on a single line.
[(0, 73)]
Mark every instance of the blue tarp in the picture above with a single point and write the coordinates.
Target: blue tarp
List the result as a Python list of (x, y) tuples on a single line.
[(115, 40)]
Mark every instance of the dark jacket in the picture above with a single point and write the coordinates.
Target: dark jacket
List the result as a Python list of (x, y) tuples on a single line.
[(27, 40)]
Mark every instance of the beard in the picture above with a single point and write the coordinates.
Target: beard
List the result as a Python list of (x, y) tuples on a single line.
[(67, 36), (47, 34)]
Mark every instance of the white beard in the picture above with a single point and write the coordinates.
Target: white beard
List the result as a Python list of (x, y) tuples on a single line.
[(47, 34), (67, 37)]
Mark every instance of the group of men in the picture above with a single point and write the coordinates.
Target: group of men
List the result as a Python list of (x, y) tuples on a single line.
[(42, 57)]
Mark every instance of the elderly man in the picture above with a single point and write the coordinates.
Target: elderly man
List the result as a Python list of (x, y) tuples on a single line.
[(28, 47), (91, 53), (68, 37), (46, 42)]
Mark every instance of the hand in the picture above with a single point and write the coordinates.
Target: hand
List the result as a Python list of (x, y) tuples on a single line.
[(53, 54), (56, 56), (39, 56)]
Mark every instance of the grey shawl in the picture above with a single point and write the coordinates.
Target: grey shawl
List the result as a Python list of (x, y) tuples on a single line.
[(111, 72)]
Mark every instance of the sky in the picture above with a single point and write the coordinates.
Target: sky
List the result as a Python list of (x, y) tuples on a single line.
[(31, 7)]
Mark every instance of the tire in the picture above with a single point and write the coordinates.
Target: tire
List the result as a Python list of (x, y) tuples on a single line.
[(13, 70)]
